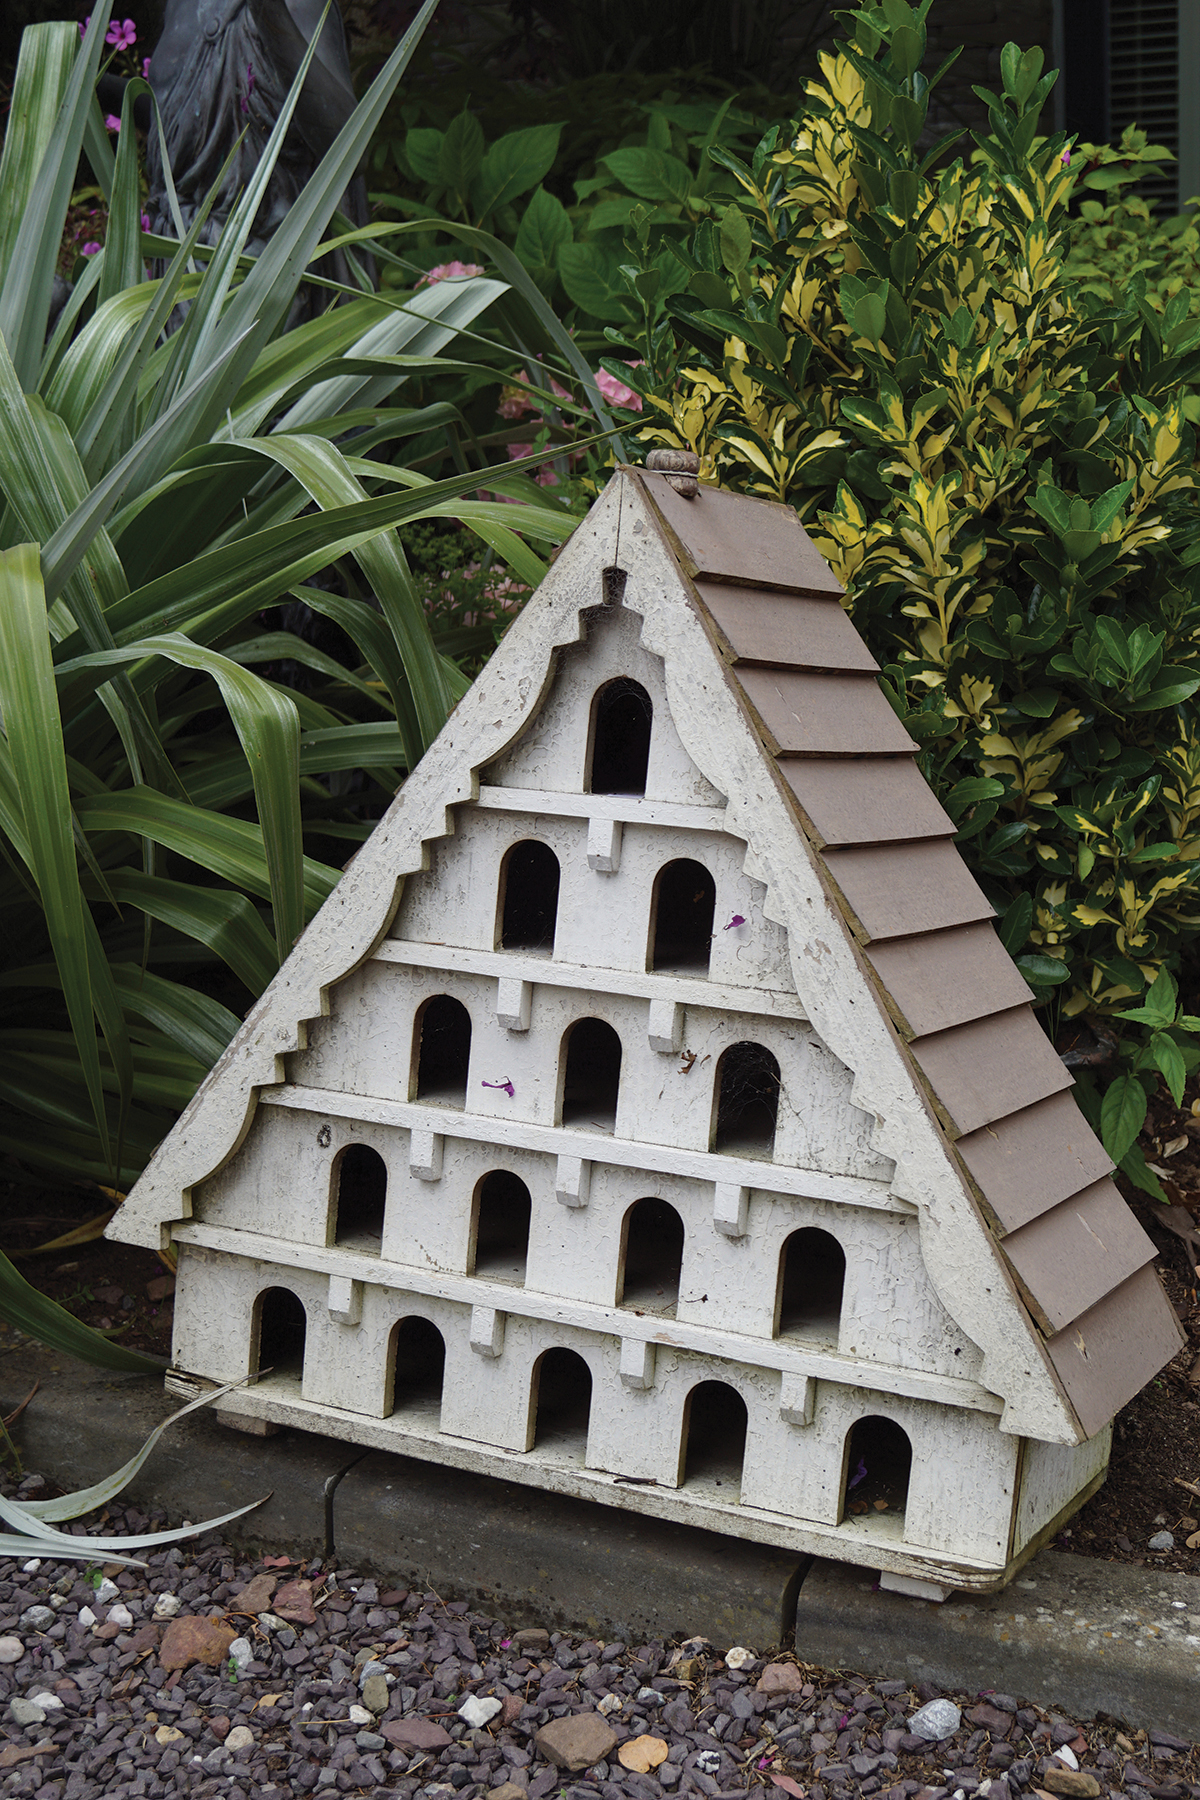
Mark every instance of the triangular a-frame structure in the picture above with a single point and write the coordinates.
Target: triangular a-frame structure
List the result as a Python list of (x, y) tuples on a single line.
[(652, 1113)]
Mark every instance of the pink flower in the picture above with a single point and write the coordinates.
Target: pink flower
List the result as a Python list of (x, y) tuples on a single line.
[(89, 249), (516, 450), (145, 68), (513, 403), (145, 221), (505, 1087), (616, 391), (736, 920), (1066, 158), (121, 36), (111, 122), (451, 271)]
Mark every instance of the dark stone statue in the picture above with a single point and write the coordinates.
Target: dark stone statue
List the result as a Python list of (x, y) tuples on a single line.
[(224, 67)]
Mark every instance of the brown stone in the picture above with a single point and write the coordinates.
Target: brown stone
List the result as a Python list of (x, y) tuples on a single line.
[(161, 1288), (577, 1741), (106, 1632), (510, 1711), (144, 1638), (508, 1790), (991, 1719), (532, 1640), (189, 1640), (780, 1678), (1075, 1782), (293, 1602), (394, 1597), (415, 1734), (219, 1727), (255, 1597), (641, 1754)]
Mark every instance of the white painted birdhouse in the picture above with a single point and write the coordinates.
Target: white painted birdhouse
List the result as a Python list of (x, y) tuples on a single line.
[(652, 1114)]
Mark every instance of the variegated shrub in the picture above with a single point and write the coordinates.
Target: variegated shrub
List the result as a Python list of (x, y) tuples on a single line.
[(1000, 466)]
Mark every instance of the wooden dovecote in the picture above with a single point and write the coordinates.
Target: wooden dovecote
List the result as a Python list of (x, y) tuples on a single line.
[(703, 1146)]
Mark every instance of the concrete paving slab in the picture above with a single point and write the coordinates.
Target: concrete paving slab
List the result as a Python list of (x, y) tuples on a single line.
[(538, 1558), (1092, 1637)]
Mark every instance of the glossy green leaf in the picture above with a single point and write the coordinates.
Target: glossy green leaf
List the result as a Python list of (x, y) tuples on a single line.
[(1122, 1114), (514, 164)]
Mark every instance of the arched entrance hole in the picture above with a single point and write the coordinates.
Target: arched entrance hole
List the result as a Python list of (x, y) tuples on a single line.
[(280, 1327), (592, 1076), (529, 879), (416, 1368), (877, 1467), (747, 1101), (359, 1198), (562, 1403), (685, 895), (443, 1047), (500, 1227), (622, 716), (652, 1257), (714, 1438), (812, 1274)]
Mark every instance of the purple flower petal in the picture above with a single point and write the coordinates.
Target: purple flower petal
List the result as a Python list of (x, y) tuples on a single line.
[(860, 1474), (89, 249), (505, 1086), (737, 919), (111, 122)]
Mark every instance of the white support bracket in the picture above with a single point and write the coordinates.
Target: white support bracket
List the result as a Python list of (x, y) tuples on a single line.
[(637, 1364), (513, 1000), (572, 1180), (604, 845), (665, 1027), (913, 1586), (345, 1300), (797, 1398), (425, 1155), (487, 1331), (730, 1208)]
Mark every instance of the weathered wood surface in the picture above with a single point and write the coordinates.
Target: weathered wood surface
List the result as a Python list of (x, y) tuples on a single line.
[(757, 625), (851, 802)]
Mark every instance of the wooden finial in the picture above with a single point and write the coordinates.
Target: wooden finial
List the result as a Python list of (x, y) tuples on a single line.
[(681, 468)]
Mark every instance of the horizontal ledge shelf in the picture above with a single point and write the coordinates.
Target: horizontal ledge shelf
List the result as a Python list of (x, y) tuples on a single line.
[(516, 965), (628, 809), (564, 1140), (874, 1550), (607, 1321)]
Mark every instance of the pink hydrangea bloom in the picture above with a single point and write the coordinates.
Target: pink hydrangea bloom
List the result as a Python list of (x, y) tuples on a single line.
[(451, 271), (111, 122), (616, 391), (122, 36), (513, 403)]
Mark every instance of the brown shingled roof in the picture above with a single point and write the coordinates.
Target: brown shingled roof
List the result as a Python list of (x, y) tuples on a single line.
[(960, 1006)]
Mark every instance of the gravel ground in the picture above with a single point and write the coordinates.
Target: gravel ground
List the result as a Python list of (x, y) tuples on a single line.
[(365, 1699)]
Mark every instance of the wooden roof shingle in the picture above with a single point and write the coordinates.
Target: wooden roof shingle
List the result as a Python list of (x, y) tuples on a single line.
[(960, 1006)]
